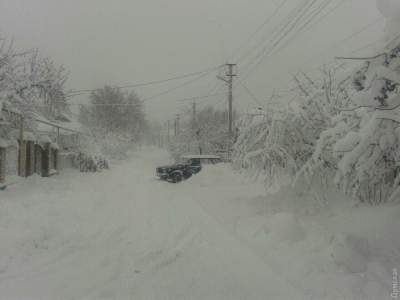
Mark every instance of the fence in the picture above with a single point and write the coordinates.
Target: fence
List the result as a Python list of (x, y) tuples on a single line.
[(25, 154)]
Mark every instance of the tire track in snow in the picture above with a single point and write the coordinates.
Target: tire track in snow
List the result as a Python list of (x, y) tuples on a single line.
[(157, 244)]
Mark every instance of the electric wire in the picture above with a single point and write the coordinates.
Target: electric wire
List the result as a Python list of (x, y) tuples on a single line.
[(259, 28), (154, 82)]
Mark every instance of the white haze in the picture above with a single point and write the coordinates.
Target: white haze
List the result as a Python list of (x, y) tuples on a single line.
[(122, 42)]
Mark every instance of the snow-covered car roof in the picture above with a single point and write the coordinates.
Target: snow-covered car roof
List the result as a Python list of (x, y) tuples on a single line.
[(201, 156)]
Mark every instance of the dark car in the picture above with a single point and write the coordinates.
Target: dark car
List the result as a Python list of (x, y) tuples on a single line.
[(178, 172), (189, 165)]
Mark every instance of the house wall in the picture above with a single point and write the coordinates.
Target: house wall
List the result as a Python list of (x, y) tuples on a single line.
[(53, 158), (66, 160)]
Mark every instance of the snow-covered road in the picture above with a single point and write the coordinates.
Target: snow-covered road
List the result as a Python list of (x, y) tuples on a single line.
[(122, 234)]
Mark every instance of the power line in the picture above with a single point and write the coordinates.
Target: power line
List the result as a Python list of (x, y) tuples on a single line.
[(136, 104), (313, 16), (200, 97), (363, 29), (250, 93), (351, 36), (175, 88), (332, 10), (203, 74), (280, 29), (310, 18), (285, 32), (83, 91), (277, 29), (266, 22)]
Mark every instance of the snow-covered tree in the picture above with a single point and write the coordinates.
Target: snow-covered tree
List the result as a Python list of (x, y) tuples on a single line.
[(30, 83), (348, 125), (116, 119), (365, 137), (277, 144), (206, 134)]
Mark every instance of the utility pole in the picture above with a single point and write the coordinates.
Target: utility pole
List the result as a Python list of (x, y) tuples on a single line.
[(229, 81), (160, 139), (194, 115), (168, 128), (175, 131), (177, 124), (230, 111)]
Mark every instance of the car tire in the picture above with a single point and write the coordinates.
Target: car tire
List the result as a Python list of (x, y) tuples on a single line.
[(176, 177)]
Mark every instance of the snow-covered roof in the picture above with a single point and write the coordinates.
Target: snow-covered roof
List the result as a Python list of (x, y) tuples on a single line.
[(54, 146), (3, 143), (45, 139), (71, 124), (28, 136), (63, 117), (201, 156)]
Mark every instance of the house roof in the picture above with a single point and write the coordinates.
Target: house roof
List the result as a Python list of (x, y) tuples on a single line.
[(28, 136), (3, 143), (54, 146), (45, 139), (67, 122)]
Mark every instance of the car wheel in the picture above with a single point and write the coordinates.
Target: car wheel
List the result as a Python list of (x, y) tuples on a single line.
[(176, 177)]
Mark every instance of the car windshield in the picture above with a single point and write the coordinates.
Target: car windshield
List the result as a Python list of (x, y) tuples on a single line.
[(194, 161), (189, 161)]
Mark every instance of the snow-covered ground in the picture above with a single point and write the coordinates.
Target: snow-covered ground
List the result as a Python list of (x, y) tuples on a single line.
[(122, 234)]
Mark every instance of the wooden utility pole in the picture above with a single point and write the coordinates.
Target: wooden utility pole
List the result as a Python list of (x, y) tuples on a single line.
[(194, 115), (168, 128), (160, 141), (177, 125), (230, 111), (229, 81)]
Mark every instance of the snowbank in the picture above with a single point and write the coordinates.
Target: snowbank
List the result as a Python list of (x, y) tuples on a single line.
[(123, 234), (350, 252), (285, 227), (327, 245)]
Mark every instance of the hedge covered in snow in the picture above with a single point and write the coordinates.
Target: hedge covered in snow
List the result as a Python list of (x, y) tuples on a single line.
[(341, 127)]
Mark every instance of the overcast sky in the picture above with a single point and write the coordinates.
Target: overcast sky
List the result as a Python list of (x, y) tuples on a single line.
[(122, 42)]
